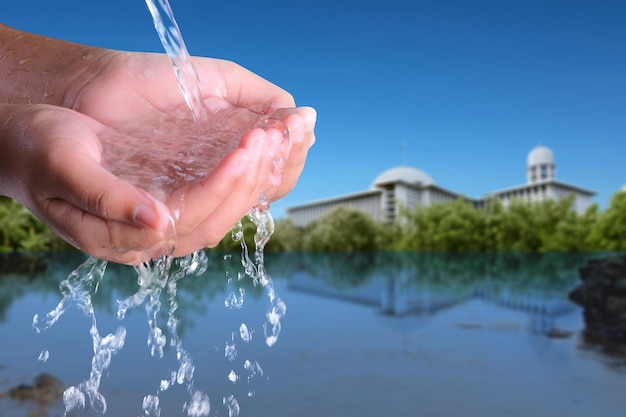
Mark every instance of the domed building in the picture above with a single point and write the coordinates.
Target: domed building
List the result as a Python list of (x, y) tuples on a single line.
[(540, 165), (541, 183), (405, 186), (401, 186)]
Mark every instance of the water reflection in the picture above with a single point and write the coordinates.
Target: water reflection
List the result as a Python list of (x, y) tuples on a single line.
[(396, 283), (399, 284), (404, 320)]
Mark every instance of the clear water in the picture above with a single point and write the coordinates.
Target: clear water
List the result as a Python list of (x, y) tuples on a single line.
[(180, 147), (183, 144), (172, 40), (403, 335)]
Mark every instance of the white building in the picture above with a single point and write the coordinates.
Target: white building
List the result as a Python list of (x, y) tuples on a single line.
[(541, 184), (404, 186)]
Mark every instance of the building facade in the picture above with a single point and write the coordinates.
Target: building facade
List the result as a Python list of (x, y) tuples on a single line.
[(541, 184), (408, 187)]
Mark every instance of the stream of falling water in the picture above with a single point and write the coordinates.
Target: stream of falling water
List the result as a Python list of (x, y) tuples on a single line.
[(170, 166)]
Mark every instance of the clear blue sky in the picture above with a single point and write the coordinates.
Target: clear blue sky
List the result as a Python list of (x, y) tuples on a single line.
[(469, 86)]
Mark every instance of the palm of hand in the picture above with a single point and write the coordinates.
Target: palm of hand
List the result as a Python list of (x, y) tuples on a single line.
[(208, 174)]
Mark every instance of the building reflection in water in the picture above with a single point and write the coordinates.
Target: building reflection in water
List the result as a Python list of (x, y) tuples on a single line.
[(423, 284), (408, 285)]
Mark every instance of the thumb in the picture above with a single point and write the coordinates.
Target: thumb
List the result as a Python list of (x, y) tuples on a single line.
[(87, 185)]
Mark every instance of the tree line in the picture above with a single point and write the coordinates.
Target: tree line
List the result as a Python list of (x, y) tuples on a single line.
[(448, 227), (547, 226), (20, 230)]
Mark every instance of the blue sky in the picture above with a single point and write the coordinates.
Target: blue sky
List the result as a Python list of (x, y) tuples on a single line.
[(467, 87)]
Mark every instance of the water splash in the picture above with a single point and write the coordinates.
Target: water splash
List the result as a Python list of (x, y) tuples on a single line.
[(161, 159), (232, 405), (43, 356), (155, 277), (78, 289), (172, 40), (244, 333), (256, 269)]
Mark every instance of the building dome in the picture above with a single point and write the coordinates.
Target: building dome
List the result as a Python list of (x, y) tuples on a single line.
[(540, 155), (405, 174)]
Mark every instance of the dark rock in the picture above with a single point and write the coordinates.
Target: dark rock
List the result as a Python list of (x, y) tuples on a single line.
[(23, 392), (45, 390), (602, 294)]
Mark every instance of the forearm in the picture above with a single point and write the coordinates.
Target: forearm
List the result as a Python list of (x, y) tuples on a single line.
[(37, 69), (11, 133)]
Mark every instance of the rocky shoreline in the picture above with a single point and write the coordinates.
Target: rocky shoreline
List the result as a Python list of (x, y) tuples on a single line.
[(602, 294)]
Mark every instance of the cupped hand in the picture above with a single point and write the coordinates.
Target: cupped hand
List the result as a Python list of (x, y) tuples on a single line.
[(259, 140), (52, 163)]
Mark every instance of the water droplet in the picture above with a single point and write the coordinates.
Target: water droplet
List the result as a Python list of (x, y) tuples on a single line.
[(73, 398), (199, 405), (43, 356), (151, 406), (245, 333), (232, 405), (230, 352)]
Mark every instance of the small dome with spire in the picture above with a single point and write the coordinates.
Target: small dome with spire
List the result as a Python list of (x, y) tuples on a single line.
[(541, 165), (540, 155)]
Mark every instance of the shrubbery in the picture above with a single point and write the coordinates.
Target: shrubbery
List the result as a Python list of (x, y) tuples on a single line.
[(455, 227), (21, 230)]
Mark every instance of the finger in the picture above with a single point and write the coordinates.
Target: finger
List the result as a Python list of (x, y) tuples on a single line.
[(113, 241), (300, 123), (244, 194), (88, 186), (217, 223), (235, 173)]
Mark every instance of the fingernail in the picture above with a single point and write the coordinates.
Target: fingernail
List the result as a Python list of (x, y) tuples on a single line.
[(147, 216), (310, 118), (274, 144), (241, 166), (258, 146), (297, 132)]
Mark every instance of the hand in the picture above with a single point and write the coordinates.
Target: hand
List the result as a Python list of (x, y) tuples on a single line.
[(136, 91), (51, 161), (52, 158)]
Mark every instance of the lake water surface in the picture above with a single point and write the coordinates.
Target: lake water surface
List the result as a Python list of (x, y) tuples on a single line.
[(388, 334)]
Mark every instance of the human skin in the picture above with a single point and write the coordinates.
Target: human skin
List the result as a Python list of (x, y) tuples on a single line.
[(56, 100)]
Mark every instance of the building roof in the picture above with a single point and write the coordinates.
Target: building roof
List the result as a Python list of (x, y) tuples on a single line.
[(403, 173), (540, 155), (341, 198), (557, 183)]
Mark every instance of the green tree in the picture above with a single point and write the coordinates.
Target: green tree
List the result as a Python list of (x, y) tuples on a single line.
[(245, 231), (460, 227), (15, 222), (609, 232), (342, 229), (287, 237), (494, 218), (415, 227), (517, 230), (21, 230), (555, 222)]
